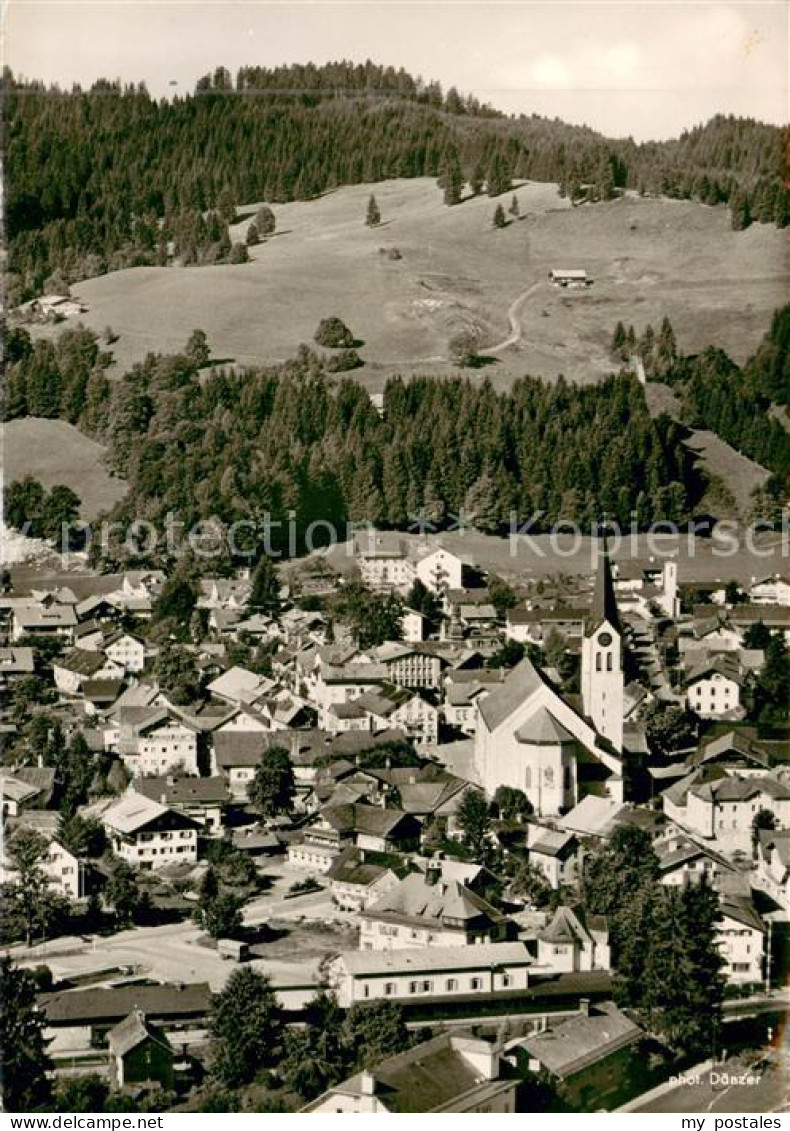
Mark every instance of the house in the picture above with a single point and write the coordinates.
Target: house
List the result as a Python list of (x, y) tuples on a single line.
[(203, 800), (773, 866), (721, 807), (236, 756), (370, 827), (714, 689), (589, 1058), (450, 1073), (683, 861), (407, 666), (775, 617), (78, 1021), (96, 609), (240, 686), (436, 972), (78, 665), (383, 561), (16, 794), (554, 854), (64, 871), (342, 684), (140, 1053), (51, 621), (157, 740), (126, 650), (15, 664), (149, 835), (438, 569), (569, 277), (463, 689), (392, 706), (427, 910), (358, 879), (740, 934), (535, 626), (223, 593), (414, 626), (573, 942), (772, 590)]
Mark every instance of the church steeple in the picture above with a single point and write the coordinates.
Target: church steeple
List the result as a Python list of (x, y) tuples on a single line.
[(602, 680), (604, 605)]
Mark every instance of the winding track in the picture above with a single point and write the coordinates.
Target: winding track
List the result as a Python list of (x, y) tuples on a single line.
[(515, 325)]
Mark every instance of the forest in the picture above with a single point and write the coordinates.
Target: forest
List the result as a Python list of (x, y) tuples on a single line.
[(109, 177)]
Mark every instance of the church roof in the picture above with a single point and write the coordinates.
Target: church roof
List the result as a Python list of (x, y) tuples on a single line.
[(604, 605), (542, 729), (522, 682)]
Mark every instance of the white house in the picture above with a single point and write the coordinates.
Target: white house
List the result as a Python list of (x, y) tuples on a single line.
[(149, 835), (425, 910), (438, 972), (126, 650), (771, 590), (721, 807), (162, 742), (713, 690), (439, 570), (573, 942), (63, 870)]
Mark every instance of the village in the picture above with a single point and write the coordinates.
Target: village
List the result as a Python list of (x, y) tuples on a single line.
[(406, 804)]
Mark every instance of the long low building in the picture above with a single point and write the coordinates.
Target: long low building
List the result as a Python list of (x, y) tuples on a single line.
[(443, 971)]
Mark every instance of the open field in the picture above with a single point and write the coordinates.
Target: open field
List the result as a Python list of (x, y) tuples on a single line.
[(53, 451), (726, 556), (647, 257)]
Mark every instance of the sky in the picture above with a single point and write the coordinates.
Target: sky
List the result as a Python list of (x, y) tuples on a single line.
[(645, 68)]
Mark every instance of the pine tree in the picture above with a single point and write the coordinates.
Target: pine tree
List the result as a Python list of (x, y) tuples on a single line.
[(514, 209), (499, 217), (23, 1047), (373, 215), (451, 178), (246, 1027)]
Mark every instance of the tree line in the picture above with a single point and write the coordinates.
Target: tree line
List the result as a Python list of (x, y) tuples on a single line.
[(292, 441), (100, 179)]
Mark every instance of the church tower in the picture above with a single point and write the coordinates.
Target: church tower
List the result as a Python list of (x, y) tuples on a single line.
[(602, 658)]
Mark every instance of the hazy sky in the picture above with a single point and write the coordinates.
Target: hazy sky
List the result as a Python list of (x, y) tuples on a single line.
[(636, 67)]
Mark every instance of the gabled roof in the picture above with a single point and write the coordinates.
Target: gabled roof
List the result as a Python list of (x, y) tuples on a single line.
[(370, 820), (133, 1031), (572, 925), (102, 1004), (81, 661), (419, 901), (133, 812), (572, 1045), (183, 790), (17, 661), (435, 959)]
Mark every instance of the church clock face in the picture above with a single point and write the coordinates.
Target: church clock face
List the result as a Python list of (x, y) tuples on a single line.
[(605, 639)]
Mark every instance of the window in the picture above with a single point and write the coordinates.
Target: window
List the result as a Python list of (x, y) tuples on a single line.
[(609, 661), (598, 659), (506, 980), (413, 987), (389, 989), (366, 990), (427, 987), (476, 983), (451, 985)]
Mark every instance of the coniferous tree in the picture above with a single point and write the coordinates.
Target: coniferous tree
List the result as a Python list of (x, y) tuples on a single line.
[(500, 221), (373, 215), (23, 1046)]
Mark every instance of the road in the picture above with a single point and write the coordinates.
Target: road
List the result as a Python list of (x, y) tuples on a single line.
[(173, 952), (719, 1090), (515, 324)]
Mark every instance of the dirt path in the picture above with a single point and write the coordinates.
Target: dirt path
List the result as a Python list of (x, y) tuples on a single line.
[(515, 325)]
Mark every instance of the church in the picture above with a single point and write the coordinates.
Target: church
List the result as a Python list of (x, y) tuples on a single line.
[(533, 738)]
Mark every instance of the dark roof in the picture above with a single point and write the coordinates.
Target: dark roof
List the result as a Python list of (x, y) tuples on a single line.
[(370, 820), (183, 790), (581, 1041), (425, 1078), (417, 900), (113, 1004), (604, 604), (133, 1031), (523, 681)]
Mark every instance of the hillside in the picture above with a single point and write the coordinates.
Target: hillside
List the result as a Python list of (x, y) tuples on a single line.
[(647, 257), (92, 174)]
